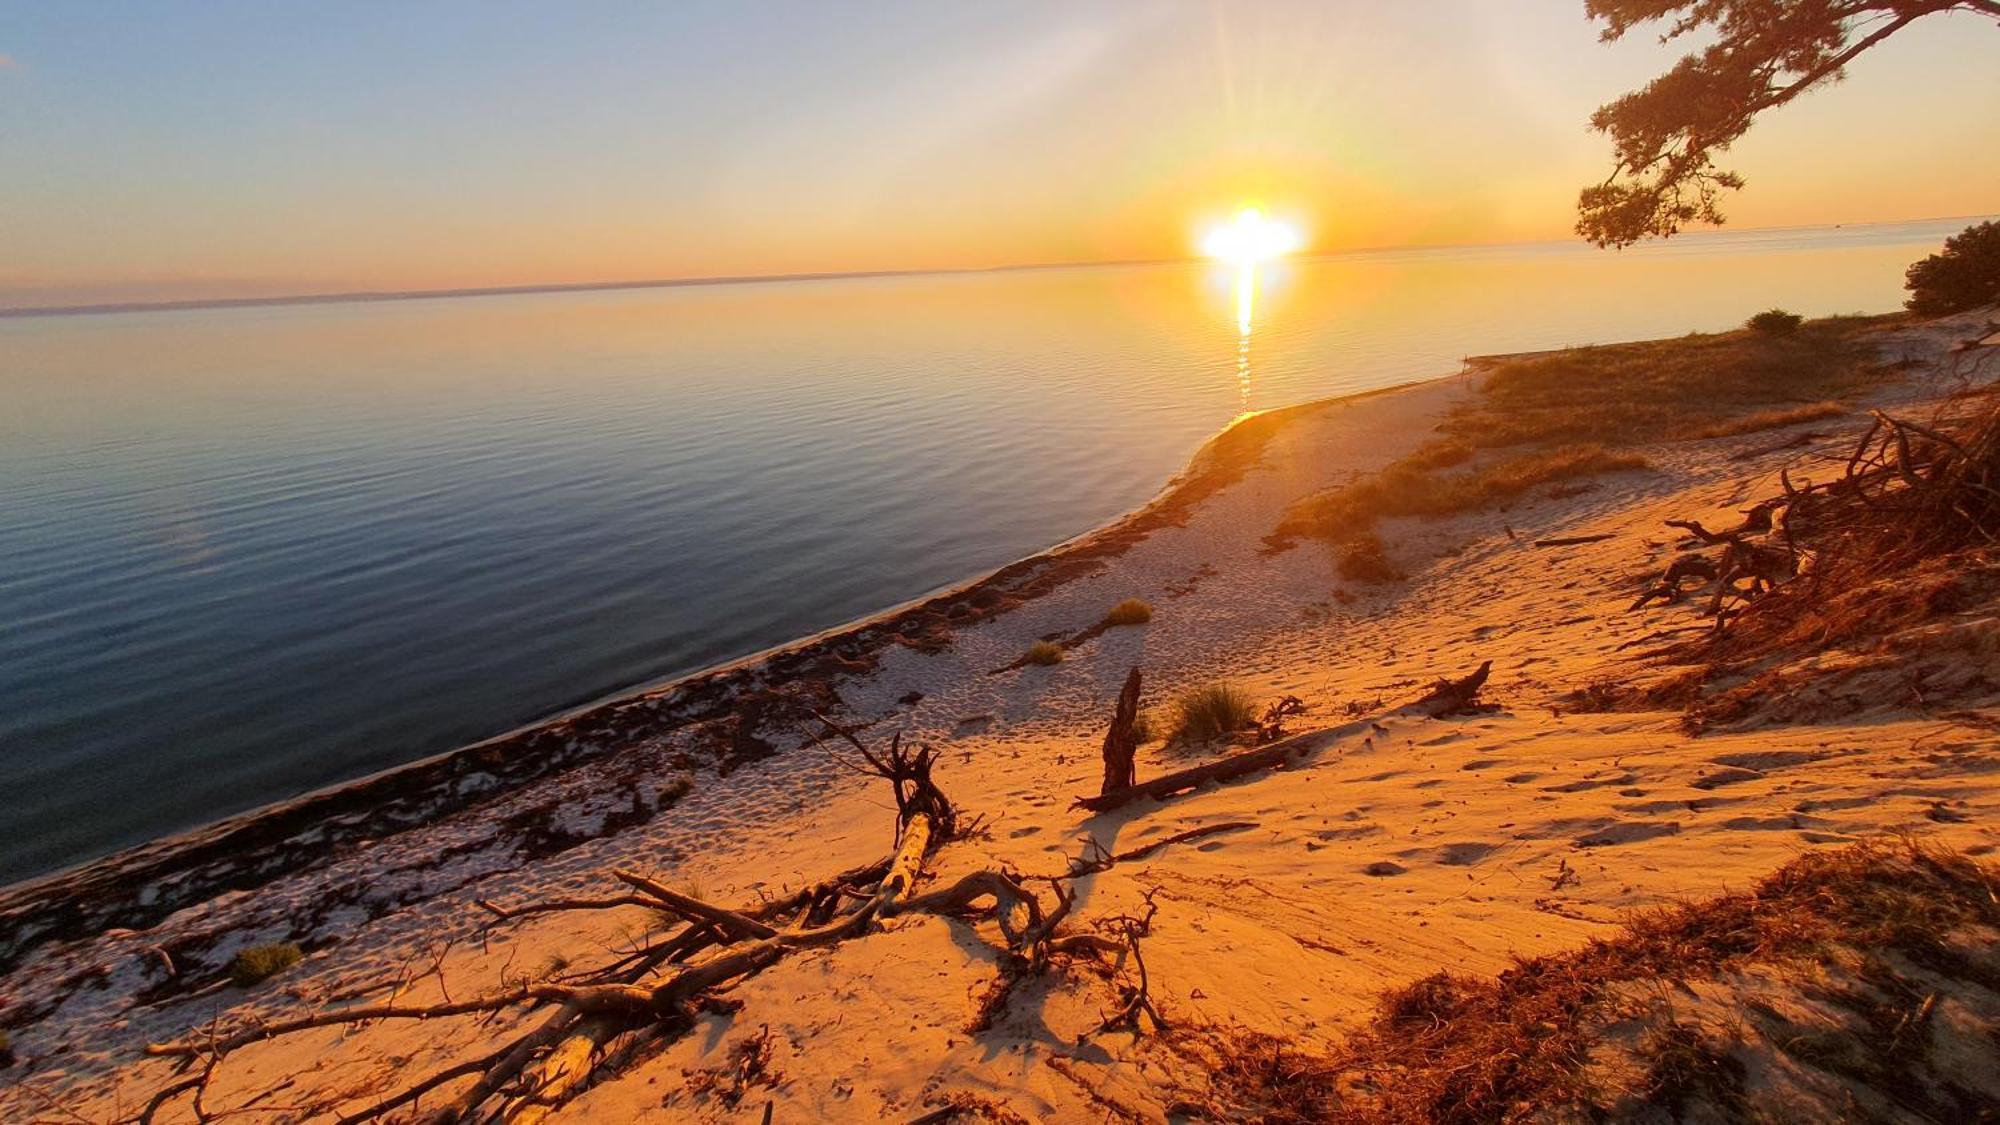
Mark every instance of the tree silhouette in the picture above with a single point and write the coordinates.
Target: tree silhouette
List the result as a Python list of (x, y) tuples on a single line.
[(1765, 53)]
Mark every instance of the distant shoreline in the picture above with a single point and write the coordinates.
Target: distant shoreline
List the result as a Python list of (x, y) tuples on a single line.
[(370, 296)]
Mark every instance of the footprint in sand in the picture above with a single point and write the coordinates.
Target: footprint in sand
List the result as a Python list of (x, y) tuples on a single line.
[(1727, 775), (1520, 778), (1485, 764), (1591, 783), (1629, 832), (1465, 855), (1017, 833), (1383, 868), (1769, 823), (1767, 759)]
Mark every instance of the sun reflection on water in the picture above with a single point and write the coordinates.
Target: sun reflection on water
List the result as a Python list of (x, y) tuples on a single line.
[(1248, 241)]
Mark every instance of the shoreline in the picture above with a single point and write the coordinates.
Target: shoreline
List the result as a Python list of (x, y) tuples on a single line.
[(138, 885)]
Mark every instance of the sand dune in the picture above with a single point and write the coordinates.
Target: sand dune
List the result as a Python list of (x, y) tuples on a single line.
[(1394, 847)]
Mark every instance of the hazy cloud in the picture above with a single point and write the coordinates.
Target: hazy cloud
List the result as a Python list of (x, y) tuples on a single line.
[(6, 61)]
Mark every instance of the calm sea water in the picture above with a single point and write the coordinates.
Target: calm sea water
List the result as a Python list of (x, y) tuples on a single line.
[(248, 552)]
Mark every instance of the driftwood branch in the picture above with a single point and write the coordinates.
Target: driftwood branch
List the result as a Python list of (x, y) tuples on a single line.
[(1120, 742)]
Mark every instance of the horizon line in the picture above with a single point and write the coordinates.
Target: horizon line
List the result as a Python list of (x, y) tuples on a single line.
[(365, 296)]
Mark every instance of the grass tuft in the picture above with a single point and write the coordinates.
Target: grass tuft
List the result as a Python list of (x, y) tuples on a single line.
[(1044, 653), (1209, 711), (1131, 611), (261, 962), (1363, 559), (1770, 420)]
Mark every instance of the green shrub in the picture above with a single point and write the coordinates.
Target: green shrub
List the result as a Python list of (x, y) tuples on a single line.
[(1775, 322), (1131, 611), (261, 962), (1965, 275), (1362, 559), (1044, 653), (1209, 711)]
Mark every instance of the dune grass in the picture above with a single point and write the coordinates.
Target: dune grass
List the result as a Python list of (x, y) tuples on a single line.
[(1348, 514), (1563, 416), (261, 962), (1131, 611), (1044, 653), (1770, 420), (1207, 712), (1364, 559)]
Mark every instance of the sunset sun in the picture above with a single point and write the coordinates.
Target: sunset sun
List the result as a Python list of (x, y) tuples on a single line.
[(1251, 237)]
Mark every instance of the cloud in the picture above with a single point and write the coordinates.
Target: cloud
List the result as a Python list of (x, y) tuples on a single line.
[(7, 61)]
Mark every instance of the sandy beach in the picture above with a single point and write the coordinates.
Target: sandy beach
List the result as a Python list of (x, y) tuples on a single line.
[(1392, 846)]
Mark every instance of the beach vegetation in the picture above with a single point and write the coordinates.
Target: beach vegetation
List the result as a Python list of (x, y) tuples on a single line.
[(1774, 322), (1756, 55), (1964, 275), (259, 963), (1043, 653), (1363, 559), (1145, 727), (672, 792), (1131, 611), (1772, 419), (1558, 418), (1876, 933), (1206, 712)]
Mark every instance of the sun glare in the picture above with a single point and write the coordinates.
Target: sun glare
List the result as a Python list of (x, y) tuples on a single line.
[(1250, 238)]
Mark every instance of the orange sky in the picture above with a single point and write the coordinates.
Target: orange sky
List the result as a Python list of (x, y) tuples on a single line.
[(225, 149)]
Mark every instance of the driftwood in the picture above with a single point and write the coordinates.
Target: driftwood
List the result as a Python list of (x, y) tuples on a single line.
[(1575, 540), (1167, 785), (529, 1077), (1120, 743), (1449, 697), (598, 1020)]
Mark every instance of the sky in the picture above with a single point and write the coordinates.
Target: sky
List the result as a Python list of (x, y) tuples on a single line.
[(168, 150)]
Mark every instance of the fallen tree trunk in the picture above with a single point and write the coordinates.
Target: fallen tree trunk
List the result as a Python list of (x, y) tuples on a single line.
[(1447, 697), (1224, 769)]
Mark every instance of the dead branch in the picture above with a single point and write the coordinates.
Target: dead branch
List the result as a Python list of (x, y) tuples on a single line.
[(1576, 540), (1137, 999), (694, 910), (1450, 697), (1120, 745), (1180, 781)]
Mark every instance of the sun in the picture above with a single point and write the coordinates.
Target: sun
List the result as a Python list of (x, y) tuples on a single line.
[(1250, 238)]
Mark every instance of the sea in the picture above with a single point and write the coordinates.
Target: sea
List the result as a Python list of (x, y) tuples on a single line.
[(246, 552)]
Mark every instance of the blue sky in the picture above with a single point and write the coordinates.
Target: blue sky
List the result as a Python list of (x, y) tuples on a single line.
[(169, 149)]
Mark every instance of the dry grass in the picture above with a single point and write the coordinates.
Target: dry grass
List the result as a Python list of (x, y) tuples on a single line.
[(1457, 1049), (1559, 417), (1363, 559), (1044, 653), (1210, 711), (1405, 490), (1131, 611), (261, 962), (1626, 394), (1770, 420)]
